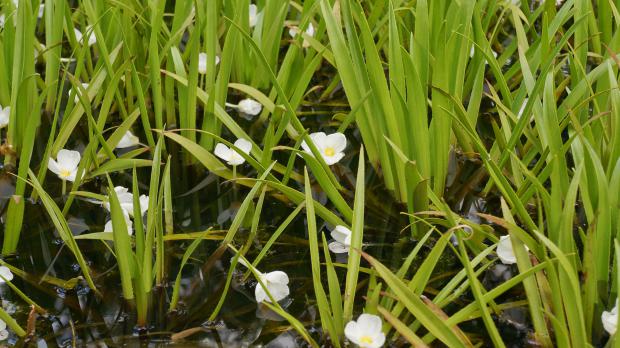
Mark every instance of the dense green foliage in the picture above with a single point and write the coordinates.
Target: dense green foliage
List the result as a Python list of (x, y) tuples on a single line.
[(525, 93)]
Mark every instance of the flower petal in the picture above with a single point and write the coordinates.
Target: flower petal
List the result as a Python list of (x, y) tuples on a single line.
[(4, 116), (260, 295), (68, 159), (128, 140), (505, 252), (253, 15), (109, 227), (337, 141), (144, 204), (53, 166), (293, 31), (340, 233), (277, 277), (319, 139), (610, 322), (78, 34), (352, 332), (378, 341), (72, 175), (202, 63), (222, 151), (338, 248), (331, 160), (278, 291), (305, 146), (6, 273), (369, 324), (123, 195), (310, 29), (250, 107), (244, 145)]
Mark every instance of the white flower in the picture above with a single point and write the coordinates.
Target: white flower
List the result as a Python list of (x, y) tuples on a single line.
[(7, 276), (610, 320), (128, 224), (4, 116), (76, 94), (366, 332), (66, 164), (128, 140), (342, 237), (294, 31), (277, 285), (202, 62), (125, 198), (254, 14), (231, 156), (250, 107), (92, 39), (330, 146), (144, 203), (505, 252)]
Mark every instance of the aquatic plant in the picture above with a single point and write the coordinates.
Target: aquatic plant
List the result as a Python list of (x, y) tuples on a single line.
[(483, 211)]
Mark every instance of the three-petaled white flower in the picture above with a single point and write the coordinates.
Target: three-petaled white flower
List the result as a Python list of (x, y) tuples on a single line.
[(128, 224), (294, 31), (276, 283), (330, 146), (125, 198), (250, 106), (231, 156), (77, 93), (342, 240), (92, 39), (65, 165), (366, 331), (505, 252), (254, 15), (4, 116), (5, 274), (128, 140), (202, 62), (610, 320)]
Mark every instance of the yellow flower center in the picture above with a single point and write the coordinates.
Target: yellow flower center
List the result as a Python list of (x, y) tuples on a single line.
[(366, 339), (65, 173), (329, 151)]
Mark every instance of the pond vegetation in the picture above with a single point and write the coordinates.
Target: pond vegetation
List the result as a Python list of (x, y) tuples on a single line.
[(310, 173)]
